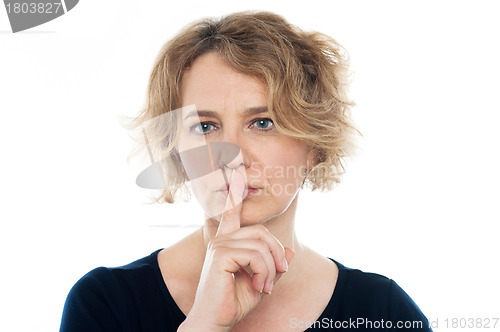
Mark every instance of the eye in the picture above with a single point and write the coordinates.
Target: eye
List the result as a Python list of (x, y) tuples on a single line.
[(263, 124), (202, 128)]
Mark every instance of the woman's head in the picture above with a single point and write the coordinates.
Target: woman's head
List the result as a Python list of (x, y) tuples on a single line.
[(304, 74)]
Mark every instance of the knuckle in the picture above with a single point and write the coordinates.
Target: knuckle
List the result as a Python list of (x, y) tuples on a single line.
[(263, 248), (261, 228), (255, 255), (261, 231)]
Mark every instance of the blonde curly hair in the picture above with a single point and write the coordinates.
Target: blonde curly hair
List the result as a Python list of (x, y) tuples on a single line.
[(307, 70)]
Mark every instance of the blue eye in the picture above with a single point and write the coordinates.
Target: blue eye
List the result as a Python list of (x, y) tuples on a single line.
[(202, 127), (263, 124)]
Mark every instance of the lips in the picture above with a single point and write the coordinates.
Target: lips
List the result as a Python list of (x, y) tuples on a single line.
[(225, 187), (248, 190)]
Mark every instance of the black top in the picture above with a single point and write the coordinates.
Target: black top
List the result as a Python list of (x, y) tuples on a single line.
[(135, 298)]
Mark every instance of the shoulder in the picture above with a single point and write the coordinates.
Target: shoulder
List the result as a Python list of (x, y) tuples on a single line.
[(107, 279), (364, 285), (102, 298), (374, 296)]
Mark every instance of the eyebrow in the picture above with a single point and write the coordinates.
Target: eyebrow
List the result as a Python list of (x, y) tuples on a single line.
[(248, 112)]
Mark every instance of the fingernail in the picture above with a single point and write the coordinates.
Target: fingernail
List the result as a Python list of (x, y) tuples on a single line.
[(262, 288), (285, 264), (271, 287)]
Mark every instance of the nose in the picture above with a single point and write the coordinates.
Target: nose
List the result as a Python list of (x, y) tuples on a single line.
[(243, 158), (237, 162)]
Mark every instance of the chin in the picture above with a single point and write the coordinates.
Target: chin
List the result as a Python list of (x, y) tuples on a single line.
[(254, 215)]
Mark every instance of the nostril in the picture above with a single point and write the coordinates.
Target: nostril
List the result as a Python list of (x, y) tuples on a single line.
[(236, 162)]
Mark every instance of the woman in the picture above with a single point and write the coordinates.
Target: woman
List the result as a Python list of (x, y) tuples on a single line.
[(278, 94)]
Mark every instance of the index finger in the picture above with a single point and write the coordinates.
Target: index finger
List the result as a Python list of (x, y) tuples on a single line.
[(231, 214)]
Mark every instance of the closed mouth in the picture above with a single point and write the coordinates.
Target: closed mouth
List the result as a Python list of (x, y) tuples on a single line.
[(248, 190), (227, 186)]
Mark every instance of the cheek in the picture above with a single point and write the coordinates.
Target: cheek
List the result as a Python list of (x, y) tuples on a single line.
[(290, 152), (285, 163)]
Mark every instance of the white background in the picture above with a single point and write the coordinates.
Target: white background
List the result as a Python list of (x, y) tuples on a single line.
[(420, 204)]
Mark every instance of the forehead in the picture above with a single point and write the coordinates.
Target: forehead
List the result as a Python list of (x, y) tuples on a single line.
[(212, 84)]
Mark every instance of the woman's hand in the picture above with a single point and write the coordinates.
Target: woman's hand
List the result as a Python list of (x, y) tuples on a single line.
[(227, 292)]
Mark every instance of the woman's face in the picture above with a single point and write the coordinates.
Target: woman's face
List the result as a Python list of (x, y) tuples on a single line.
[(231, 107)]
